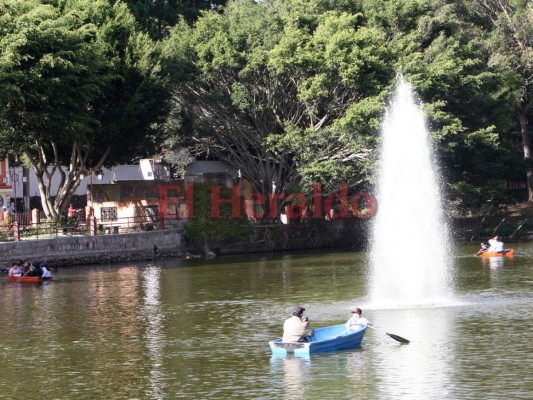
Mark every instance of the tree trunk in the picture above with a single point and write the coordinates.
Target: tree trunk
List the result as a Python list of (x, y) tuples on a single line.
[(526, 143), (69, 178)]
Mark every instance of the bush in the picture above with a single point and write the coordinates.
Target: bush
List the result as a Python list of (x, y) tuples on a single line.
[(202, 227)]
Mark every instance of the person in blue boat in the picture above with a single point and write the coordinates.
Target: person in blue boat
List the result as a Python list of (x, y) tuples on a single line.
[(496, 245), (297, 328), (357, 320)]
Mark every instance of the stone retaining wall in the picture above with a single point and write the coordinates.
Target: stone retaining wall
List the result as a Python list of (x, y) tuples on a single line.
[(85, 250), (313, 235), (80, 250)]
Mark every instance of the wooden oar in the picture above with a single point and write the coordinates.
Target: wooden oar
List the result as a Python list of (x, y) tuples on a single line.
[(392, 335)]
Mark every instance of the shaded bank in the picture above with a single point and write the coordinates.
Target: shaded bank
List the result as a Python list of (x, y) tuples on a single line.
[(512, 227), (340, 233), (114, 248)]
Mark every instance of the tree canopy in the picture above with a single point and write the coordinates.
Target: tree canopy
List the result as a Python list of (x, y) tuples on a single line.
[(291, 92), (294, 92), (79, 86)]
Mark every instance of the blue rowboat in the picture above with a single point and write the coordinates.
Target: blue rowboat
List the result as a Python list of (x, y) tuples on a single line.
[(329, 338)]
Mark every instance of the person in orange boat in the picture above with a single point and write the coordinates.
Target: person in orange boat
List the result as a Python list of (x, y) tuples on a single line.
[(46, 273), (296, 328), (32, 270), (15, 271), (496, 245), (484, 247)]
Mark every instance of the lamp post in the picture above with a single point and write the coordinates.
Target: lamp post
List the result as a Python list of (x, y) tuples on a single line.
[(90, 173), (15, 178)]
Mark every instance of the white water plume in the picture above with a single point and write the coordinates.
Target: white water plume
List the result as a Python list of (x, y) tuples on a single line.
[(410, 246)]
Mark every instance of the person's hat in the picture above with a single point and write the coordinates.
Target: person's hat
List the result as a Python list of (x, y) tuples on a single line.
[(356, 310), (298, 310)]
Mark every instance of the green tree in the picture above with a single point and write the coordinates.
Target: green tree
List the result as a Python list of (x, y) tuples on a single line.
[(468, 102), (158, 16), (509, 26), (273, 81), (293, 91), (203, 228), (78, 86)]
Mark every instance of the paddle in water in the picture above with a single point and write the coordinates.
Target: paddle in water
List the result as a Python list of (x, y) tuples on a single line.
[(398, 338), (392, 335)]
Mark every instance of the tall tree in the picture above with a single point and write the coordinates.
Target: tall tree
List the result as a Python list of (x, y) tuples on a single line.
[(468, 103), (272, 80), (294, 90), (509, 24), (78, 84)]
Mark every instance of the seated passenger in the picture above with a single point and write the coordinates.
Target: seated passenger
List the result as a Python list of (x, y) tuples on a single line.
[(296, 328), (24, 266), (46, 274), (496, 245), (484, 247), (356, 321), (15, 271), (32, 270)]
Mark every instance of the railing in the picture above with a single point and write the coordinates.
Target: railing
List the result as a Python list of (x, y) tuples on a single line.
[(21, 227), (138, 224)]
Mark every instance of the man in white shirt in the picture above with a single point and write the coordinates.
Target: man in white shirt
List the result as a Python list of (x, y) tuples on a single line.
[(496, 246)]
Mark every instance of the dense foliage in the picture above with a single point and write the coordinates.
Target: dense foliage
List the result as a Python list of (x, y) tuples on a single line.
[(202, 228), (79, 86), (291, 92)]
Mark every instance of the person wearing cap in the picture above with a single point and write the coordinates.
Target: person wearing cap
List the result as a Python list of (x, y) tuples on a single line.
[(496, 245), (296, 328), (357, 320)]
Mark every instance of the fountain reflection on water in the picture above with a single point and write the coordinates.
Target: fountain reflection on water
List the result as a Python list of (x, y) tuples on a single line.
[(410, 245), (154, 339)]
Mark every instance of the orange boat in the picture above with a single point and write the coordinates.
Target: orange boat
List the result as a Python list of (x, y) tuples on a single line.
[(28, 279), (506, 253)]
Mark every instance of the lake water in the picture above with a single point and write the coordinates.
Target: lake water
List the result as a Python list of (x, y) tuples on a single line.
[(197, 329)]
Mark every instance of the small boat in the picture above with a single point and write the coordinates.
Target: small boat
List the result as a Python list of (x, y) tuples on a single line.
[(329, 338), (28, 279), (506, 253)]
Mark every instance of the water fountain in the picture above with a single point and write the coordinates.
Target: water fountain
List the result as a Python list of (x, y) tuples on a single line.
[(410, 248)]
